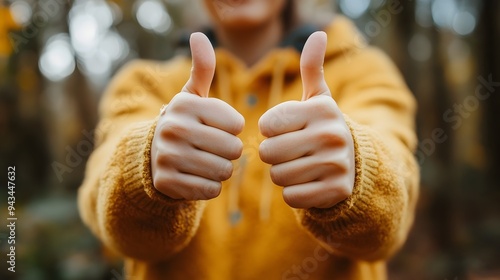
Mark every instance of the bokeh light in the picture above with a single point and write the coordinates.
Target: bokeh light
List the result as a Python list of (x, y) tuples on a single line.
[(114, 46), (84, 30), (57, 60), (448, 14), (443, 12), (152, 15), (464, 23), (98, 46), (101, 11), (422, 13), (420, 47), (354, 8), (21, 11), (98, 64)]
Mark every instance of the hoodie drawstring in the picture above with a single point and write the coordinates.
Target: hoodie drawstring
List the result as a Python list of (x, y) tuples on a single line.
[(276, 89), (277, 81), (234, 212)]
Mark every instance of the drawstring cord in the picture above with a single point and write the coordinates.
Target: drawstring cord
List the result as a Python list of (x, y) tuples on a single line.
[(224, 84), (234, 212), (275, 93), (276, 89)]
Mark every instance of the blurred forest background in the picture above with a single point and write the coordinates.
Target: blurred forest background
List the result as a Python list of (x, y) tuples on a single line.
[(56, 57)]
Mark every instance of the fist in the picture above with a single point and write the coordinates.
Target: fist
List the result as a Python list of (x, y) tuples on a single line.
[(308, 143), (195, 138)]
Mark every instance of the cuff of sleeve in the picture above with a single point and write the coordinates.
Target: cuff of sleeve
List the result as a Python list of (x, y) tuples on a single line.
[(366, 165), (138, 185)]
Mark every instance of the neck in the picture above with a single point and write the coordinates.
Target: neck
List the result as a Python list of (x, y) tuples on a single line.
[(250, 45)]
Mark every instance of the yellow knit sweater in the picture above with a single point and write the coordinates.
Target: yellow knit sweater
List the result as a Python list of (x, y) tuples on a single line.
[(248, 232)]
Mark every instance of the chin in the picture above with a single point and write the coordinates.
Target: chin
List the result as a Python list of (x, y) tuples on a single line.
[(243, 14), (242, 22)]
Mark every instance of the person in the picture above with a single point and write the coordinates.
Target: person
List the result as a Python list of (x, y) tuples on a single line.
[(270, 157)]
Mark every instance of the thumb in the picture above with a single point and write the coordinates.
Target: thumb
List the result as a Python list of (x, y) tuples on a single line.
[(311, 66), (202, 71)]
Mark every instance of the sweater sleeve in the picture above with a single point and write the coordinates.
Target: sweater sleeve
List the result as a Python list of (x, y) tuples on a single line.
[(379, 110), (117, 199)]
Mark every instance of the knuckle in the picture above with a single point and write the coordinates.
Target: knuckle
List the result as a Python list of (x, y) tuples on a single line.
[(339, 190), (236, 149), (269, 122), (224, 171), (239, 124), (168, 157), (331, 137), (162, 159), (278, 176), (292, 199), (264, 126), (211, 190), (198, 193), (265, 151), (167, 185), (174, 129), (334, 166), (221, 171)]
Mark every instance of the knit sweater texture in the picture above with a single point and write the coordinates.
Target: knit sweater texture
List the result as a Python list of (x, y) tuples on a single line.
[(238, 235)]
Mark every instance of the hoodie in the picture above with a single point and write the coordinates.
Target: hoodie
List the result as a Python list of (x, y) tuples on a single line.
[(249, 232)]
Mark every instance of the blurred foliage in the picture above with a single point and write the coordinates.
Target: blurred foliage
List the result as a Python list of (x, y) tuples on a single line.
[(62, 54)]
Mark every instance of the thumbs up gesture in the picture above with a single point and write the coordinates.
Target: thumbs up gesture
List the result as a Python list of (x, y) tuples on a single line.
[(195, 138), (311, 153)]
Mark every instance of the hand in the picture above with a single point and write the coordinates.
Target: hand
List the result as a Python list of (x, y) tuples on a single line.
[(309, 145), (195, 138)]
